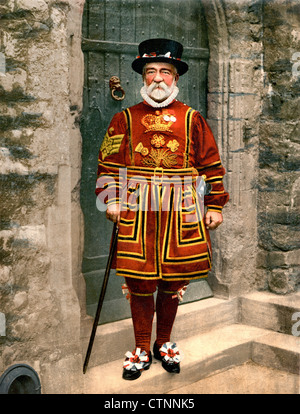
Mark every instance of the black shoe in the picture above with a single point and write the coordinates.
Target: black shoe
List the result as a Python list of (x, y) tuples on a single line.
[(156, 352), (168, 364), (137, 365)]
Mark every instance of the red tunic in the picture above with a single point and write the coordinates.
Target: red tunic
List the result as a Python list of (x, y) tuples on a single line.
[(149, 162)]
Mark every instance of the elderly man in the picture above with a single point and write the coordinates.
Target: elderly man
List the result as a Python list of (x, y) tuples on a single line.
[(150, 165)]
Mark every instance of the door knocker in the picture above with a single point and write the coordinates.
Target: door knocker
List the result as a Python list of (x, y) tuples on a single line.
[(115, 86)]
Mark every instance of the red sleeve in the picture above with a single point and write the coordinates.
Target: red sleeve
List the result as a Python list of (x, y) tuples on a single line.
[(208, 163), (112, 157)]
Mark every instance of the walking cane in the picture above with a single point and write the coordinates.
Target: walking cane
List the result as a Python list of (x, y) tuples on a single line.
[(102, 294)]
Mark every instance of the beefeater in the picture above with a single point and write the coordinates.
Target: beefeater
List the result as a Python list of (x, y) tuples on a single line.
[(156, 162)]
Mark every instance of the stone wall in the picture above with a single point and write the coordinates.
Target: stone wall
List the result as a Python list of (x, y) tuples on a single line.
[(253, 108), (279, 149), (234, 106), (40, 100)]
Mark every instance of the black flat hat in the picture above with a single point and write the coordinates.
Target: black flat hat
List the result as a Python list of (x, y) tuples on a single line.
[(160, 50)]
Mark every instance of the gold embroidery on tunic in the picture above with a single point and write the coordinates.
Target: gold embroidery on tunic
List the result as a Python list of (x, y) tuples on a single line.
[(111, 144), (156, 123), (160, 156), (141, 149), (158, 140), (173, 145)]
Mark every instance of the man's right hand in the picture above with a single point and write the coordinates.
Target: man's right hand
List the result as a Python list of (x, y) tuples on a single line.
[(113, 213)]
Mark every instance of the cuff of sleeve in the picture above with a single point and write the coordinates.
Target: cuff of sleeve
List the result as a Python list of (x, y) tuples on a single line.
[(113, 201), (217, 209)]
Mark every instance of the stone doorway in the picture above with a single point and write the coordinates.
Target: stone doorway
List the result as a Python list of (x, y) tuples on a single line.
[(111, 34)]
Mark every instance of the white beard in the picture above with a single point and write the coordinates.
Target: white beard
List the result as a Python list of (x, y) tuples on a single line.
[(159, 91), (159, 98)]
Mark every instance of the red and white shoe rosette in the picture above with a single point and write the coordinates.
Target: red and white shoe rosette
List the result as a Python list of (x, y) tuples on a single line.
[(170, 352), (135, 361)]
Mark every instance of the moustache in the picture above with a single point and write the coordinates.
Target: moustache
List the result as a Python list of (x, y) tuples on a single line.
[(155, 85)]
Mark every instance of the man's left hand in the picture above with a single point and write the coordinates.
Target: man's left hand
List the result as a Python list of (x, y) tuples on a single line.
[(213, 220)]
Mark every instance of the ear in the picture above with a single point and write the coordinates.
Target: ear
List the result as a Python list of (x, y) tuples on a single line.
[(176, 78)]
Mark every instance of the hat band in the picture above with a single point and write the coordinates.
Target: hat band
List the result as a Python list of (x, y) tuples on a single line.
[(154, 54)]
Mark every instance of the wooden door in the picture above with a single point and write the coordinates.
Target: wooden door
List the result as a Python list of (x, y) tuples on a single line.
[(112, 30)]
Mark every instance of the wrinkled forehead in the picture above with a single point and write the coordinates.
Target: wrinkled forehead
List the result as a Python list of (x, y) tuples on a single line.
[(160, 66)]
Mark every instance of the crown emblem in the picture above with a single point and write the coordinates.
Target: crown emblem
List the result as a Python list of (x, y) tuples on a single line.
[(158, 122)]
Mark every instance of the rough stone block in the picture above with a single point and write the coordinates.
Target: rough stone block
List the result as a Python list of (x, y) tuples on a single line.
[(283, 259), (283, 281), (243, 75)]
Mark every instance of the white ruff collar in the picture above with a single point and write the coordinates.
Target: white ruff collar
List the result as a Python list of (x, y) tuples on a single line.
[(162, 104)]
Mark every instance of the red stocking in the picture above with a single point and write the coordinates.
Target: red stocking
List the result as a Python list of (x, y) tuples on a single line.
[(166, 309), (142, 311)]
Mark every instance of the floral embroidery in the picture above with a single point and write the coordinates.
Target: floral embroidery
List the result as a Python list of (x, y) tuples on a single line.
[(173, 145), (141, 149), (158, 140), (144, 152)]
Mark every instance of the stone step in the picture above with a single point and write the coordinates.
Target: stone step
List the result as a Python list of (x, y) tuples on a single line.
[(269, 311), (248, 378), (204, 355), (116, 338), (260, 309), (277, 350)]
